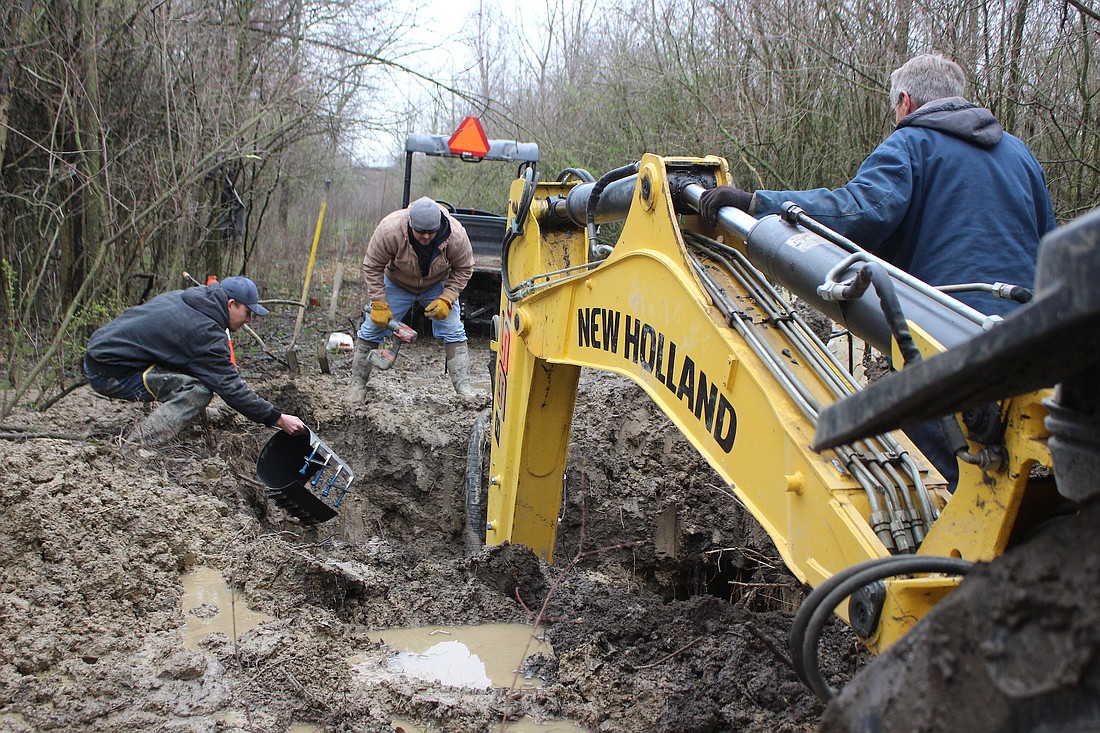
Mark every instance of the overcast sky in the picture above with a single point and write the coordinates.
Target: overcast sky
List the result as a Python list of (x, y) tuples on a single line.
[(439, 27)]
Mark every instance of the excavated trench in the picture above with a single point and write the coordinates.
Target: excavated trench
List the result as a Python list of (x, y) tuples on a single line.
[(660, 530), (647, 505)]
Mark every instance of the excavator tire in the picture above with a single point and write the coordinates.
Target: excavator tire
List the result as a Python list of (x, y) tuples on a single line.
[(477, 482)]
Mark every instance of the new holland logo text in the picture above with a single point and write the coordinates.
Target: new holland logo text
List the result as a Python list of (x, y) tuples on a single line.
[(641, 344)]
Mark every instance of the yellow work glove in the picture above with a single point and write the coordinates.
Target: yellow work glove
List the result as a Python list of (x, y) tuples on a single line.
[(437, 309), (380, 313)]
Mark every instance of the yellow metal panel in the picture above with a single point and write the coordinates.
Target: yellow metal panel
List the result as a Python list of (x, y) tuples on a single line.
[(908, 601), (642, 314), (533, 410), (977, 522)]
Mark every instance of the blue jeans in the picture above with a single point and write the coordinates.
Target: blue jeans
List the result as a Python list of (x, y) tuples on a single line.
[(450, 329), (131, 387)]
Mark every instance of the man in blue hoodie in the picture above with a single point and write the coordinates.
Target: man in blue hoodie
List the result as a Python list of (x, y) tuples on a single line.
[(949, 197), (174, 350)]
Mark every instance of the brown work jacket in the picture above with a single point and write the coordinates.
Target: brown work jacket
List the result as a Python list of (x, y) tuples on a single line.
[(389, 252)]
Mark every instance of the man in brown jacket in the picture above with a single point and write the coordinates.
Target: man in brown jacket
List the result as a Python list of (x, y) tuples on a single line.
[(417, 256)]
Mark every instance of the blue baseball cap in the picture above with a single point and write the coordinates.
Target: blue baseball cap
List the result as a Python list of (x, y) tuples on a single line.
[(243, 290)]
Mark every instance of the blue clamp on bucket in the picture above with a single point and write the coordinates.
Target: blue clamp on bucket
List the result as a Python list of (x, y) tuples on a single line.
[(292, 466)]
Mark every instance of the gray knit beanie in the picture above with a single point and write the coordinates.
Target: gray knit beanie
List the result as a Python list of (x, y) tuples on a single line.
[(425, 215)]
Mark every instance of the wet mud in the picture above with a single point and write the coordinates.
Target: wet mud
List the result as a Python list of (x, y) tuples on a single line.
[(667, 607)]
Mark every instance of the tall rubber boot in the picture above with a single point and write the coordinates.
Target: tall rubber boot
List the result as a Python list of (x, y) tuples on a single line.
[(458, 366), (182, 398), (360, 371)]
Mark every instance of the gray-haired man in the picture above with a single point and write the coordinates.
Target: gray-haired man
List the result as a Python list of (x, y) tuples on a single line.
[(949, 196)]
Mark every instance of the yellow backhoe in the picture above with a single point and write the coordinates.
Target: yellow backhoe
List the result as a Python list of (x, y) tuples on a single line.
[(701, 320)]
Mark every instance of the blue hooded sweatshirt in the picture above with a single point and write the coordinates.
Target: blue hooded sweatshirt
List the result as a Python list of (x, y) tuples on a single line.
[(949, 197), (184, 331)]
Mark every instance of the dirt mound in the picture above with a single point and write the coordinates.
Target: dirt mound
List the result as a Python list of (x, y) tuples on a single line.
[(649, 633), (1021, 635)]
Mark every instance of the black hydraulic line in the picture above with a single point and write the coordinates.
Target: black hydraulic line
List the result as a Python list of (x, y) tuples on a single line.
[(527, 197), (892, 311), (857, 286), (818, 606), (579, 173), (597, 190), (899, 327), (524, 166), (475, 500), (871, 272)]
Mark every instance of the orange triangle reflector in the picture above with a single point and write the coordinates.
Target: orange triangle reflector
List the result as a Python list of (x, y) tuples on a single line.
[(469, 139)]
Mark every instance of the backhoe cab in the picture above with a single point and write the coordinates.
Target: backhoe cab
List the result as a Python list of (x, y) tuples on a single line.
[(696, 318)]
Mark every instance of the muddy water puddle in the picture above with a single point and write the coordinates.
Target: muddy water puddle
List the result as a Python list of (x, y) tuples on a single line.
[(480, 657), (476, 657), (210, 605)]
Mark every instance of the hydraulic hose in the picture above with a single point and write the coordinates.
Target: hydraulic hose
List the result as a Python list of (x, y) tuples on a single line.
[(895, 318), (475, 501), (594, 199), (891, 310), (578, 173), (819, 605), (527, 197), (870, 272)]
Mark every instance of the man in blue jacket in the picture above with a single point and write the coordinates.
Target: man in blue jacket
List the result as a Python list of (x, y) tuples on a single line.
[(174, 350), (949, 197)]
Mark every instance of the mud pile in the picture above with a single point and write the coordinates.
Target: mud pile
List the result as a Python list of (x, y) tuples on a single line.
[(649, 633)]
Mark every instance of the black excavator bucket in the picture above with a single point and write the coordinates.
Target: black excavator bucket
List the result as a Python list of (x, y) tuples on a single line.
[(303, 476)]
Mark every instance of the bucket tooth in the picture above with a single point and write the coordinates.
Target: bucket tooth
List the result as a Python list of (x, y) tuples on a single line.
[(296, 501)]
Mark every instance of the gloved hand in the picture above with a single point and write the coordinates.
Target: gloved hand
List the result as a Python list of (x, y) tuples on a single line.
[(380, 313), (438, 309), (714, 199)]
